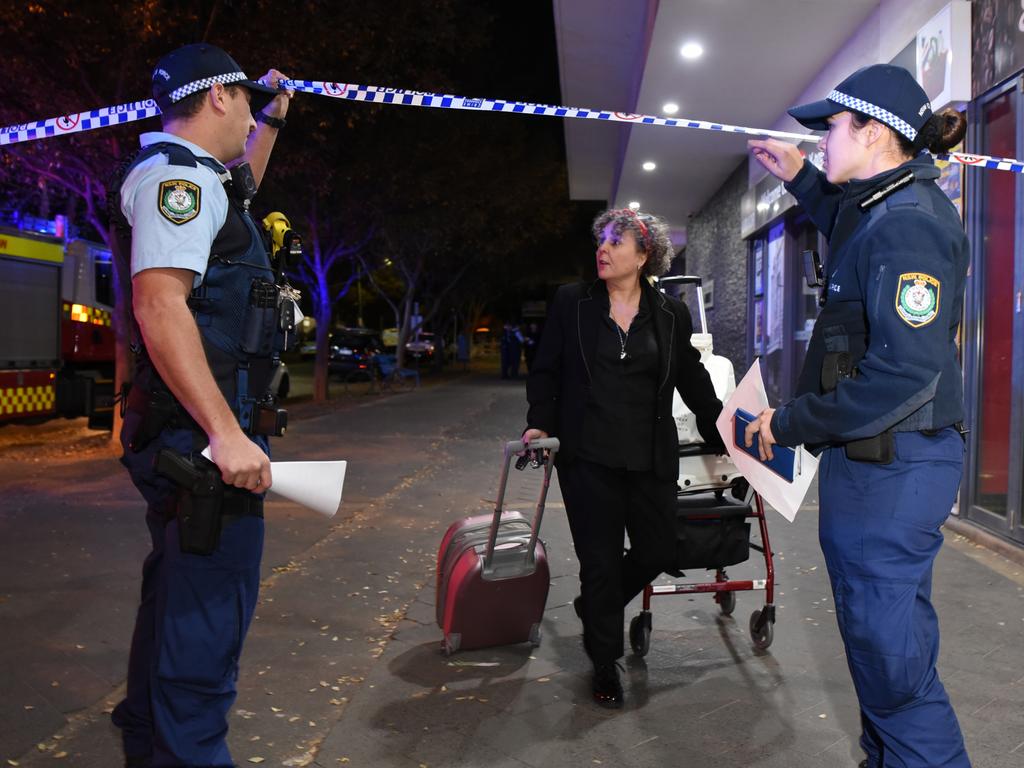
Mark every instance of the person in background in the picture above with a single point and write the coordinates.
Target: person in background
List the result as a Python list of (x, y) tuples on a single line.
[(511, 350), (531, 338)]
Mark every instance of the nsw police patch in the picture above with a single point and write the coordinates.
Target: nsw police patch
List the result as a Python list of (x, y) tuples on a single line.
[(917, 298), (179, 200)]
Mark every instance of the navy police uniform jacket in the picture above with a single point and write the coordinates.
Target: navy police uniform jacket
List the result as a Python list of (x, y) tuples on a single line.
[(895, 284), (560, 381)]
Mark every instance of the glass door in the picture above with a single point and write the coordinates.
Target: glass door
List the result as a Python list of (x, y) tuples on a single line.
[(992, 334)]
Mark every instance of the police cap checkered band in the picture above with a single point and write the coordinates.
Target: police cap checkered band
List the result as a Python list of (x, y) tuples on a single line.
[(884, 92), (194, 68), (201, 85), (872, 110)]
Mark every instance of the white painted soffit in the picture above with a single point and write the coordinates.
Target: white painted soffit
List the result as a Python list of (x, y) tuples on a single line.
[(759, 56)]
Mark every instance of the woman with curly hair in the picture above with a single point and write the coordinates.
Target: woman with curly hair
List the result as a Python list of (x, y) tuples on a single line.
[(610, 356)]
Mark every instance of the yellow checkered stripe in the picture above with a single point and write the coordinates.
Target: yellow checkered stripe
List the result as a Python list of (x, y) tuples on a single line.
[(82, 313), (24, 400)]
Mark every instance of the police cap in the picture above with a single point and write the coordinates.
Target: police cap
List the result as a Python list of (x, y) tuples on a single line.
[(193, 68), (885, 92)]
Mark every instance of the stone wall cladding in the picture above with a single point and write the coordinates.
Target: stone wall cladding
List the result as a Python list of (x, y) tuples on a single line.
[(715, 251)]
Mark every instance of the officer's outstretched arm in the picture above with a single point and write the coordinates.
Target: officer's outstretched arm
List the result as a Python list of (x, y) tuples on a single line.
[(261, 141), (912, 280), (173, 344)]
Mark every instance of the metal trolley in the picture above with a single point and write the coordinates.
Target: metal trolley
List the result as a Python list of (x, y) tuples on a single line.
[(713, 508), (712, 534)]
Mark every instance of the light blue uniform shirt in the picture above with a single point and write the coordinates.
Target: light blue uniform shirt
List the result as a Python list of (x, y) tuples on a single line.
[(172, 231)]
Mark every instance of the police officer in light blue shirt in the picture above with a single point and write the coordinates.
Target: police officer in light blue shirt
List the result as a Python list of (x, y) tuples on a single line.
[(880, 396), (207, 320)]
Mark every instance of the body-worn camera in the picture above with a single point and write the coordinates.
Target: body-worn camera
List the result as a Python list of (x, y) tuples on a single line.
[(814, 274)]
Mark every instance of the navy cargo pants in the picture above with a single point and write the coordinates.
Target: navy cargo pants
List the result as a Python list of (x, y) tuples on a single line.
[(192, 619), (880, 534)]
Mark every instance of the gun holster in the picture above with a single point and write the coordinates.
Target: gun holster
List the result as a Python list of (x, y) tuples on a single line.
[(879, 449), (200, 501)]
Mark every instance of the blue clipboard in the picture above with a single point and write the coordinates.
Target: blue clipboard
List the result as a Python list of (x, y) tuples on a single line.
[(783, 459)]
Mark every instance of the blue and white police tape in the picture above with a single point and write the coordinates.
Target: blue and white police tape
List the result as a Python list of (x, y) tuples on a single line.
[(83, 121), (138, 110)]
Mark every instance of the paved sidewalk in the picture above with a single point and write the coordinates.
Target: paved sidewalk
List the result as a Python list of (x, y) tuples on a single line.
[(343, 665)]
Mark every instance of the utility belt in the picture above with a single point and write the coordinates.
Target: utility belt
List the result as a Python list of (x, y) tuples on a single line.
[(159, 410), (204, 505), (881, 448)]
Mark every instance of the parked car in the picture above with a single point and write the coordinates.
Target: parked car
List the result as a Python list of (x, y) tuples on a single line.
[(351, 350), (421, 347), (307, 349)]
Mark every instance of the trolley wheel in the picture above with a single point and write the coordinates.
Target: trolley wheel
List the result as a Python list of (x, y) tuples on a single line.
[(726, 602), (762, 638), (640, 633)]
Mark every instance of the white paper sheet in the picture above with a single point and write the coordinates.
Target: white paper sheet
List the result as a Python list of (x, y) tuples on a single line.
[(786, 497), (316, 485)]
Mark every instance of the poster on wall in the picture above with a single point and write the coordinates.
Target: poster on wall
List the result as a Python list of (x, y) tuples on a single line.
[(758, 326), (998, 47), (758, 267), (934, 58), (775, 308)]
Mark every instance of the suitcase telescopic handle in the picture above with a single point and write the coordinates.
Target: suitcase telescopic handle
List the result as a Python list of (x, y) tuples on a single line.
[(512, 448)]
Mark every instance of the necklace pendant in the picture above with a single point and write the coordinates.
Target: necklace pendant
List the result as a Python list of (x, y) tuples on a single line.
[(622, 355)]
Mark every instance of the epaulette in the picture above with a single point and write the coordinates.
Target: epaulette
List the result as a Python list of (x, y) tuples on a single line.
[(879, 194)]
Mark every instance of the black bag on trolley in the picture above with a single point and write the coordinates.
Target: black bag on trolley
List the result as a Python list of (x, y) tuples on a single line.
[(711, 532)]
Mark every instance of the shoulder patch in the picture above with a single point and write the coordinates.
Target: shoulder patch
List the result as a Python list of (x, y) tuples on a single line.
[(179, 200), (917, 298)]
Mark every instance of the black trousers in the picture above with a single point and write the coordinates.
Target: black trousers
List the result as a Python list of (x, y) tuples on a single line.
[(602, 505)]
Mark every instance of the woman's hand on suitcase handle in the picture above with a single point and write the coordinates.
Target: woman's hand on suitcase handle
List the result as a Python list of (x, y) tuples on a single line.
[(538, 458), (762, 427)]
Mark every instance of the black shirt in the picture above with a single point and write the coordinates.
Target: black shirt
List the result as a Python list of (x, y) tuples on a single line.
[(618, 425)]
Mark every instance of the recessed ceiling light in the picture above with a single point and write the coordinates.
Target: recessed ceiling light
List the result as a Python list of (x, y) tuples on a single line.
[(650, 165), (634, 205), (691, 50), (670, 108)]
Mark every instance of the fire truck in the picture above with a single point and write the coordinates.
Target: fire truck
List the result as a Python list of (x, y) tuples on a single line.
[(57, 342)]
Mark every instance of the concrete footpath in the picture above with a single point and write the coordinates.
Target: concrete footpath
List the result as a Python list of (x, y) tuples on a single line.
[(343, 663)]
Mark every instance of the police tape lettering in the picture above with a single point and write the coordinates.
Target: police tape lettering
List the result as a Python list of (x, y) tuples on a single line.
[(139, 110)]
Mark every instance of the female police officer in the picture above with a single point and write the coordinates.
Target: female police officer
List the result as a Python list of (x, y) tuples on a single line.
[(881, 394)]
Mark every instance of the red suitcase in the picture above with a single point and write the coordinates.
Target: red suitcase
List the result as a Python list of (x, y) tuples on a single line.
[(492, 571)]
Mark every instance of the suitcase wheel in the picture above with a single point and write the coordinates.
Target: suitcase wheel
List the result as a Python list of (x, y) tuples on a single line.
[(640, 633), (451, 643), (535, 635)]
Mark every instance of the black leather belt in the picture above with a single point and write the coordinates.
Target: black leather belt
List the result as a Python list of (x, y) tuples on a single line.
[(958, 426)]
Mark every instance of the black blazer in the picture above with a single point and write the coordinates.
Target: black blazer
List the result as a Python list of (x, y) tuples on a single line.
[(559, 383)]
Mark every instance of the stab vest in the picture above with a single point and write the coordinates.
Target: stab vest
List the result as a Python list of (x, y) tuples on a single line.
[(843, 324), (233, 305)]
